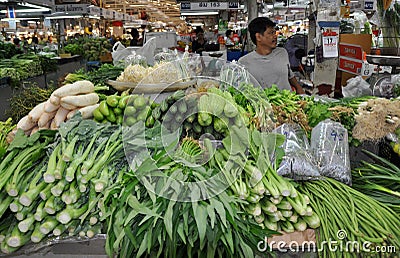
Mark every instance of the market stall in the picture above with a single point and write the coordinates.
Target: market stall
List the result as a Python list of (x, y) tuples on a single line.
[(215, 166)]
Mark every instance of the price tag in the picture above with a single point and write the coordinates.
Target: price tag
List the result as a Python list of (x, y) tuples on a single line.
[(369, 5), (12, 24), (330, 46), (337, 136)]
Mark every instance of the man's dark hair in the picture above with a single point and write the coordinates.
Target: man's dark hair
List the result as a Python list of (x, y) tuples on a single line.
[(198, 30), (259, 25), (228, 33)]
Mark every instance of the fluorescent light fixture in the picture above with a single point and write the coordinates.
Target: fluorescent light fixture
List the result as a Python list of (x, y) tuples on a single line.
[(29, 10), (197, 24), (63, 17), (199, 13), (18, 20)]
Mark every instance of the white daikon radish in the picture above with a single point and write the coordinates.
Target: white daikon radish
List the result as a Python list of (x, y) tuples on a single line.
[(68, 106), (79, 87), (87, 112), (45, 118), (53, 125), (26, 123), (34, 130), (50, 107), (54, 100), (71, 113), (60, 116), (81, 100), (36, 112)]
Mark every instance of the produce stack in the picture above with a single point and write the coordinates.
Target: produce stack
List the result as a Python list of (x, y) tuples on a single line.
[(272, 201), (51, 184), (349, 216), (132, 108), (211, 190), (62, 105), (90, 48)]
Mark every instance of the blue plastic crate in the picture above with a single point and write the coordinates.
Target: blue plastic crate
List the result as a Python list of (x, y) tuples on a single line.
[(234, 55), (93, 65)]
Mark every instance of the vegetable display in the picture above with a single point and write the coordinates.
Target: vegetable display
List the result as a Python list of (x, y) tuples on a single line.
[(5, 128), (273, 201), (361, 218), (159, 73), (8, 50), (60, 196), (148, 224), (23, 66), (379, 180), (62, 104), (132, 108), (194, 175), (25, 100), (90, 48), (99, 76)]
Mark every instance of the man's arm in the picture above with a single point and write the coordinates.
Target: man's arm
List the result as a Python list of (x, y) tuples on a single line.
[(293, 81)]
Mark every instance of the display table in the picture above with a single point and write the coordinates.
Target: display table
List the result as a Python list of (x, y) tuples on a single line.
[(65, 66)]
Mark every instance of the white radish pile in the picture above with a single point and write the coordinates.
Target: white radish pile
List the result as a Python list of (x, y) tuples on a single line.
[(61, 106)]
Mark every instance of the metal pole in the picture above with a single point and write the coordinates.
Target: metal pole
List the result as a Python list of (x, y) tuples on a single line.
[(252, 13)]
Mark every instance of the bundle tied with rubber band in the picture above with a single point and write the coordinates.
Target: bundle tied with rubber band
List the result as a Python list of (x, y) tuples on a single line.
[(298, 162)]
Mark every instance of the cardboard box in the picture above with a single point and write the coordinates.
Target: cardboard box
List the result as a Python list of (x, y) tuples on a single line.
[(293, 240), (363, 40)]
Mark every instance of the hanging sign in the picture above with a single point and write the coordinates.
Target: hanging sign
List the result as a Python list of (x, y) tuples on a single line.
[(289, 17), (11, 12), (119, 16), (350, 65), (107, 13), (12, 24), (300, 16), (330, 43), (71, 8), (47, 23), (94, 10), (204, 6), (352, 51)]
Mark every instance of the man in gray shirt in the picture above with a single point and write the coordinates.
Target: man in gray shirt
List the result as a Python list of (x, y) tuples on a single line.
[(268, 64)]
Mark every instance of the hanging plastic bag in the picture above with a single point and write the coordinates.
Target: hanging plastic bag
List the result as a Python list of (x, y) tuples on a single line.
[(120, 52), (298, 162), (330, 145), (135, 59), (356, 87)]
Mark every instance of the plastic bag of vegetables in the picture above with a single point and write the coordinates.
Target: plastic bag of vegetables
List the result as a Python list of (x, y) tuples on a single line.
[(330, 144), (298, 162)]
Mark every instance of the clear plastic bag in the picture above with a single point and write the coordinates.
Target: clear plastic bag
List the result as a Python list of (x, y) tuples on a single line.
[(395, 80), (135, 59), (356, 87), (120, 52), (298, 162), (233, 74), (330, 145)]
